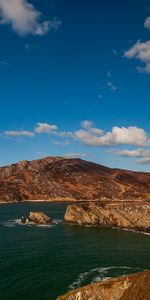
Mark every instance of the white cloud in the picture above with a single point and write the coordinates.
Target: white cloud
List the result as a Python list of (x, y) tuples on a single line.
[(86, 124), (132, 153), (24, 18), (119, 135), (112, 86), (143, 161), (20, 133), (45, 128), (64, 133), (141, 51), (147, 23), (75, 155)]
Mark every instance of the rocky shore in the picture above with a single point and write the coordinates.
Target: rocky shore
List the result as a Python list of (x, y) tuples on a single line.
[(133, 215), (131, 287)]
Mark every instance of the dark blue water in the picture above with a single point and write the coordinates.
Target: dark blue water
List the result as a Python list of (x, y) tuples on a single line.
[(44, 262)]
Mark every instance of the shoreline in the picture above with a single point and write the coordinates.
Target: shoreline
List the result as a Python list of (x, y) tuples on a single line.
[(78, 201)]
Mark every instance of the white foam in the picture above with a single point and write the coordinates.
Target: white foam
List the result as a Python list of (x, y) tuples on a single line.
[(16, 222), (95, 275)]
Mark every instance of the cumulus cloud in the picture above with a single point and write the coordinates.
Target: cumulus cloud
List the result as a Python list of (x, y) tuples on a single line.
[(119, 135), (20, 133), (45, 128), (24, 18), (141, 51)]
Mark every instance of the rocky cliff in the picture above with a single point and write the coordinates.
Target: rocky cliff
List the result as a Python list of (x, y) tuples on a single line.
[(128, 215), (131, 287), (57, 178)]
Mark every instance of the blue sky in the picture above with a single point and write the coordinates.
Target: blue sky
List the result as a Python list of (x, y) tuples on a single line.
[(75, 81)]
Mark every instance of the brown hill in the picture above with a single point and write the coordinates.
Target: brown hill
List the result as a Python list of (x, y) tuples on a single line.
[(57, 178)]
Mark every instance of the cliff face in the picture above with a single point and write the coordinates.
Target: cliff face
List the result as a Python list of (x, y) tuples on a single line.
[(58, 178), (132, 287), (130, 215)]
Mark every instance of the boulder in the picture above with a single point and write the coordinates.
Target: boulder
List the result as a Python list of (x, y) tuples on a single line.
[(39, 218)]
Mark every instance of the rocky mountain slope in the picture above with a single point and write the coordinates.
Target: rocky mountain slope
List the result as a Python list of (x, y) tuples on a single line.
[(57, 178), (131, 287), (128, 215)]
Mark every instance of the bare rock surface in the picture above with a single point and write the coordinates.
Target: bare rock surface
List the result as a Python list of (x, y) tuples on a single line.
[(131, 287), (39, 218), (129, 215)]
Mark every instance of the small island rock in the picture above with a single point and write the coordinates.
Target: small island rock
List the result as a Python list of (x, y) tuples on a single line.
[(39, 218)]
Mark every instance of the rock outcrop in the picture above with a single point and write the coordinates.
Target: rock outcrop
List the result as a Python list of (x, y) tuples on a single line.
[(130, 215), (131, 287), (38, 218), (61, 179)]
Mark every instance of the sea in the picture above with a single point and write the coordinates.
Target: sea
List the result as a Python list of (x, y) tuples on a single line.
[(43, 262)]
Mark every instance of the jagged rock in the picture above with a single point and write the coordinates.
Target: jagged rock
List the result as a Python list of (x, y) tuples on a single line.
[(23, 220), (131, 287), (39, 218), (61, 179), (130, 215)]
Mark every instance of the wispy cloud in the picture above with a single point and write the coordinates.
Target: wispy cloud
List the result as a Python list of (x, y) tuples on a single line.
[(143, 161), (111, 85), (3, 63), (24, 18), (19, 133), (142, 154), (75, 155), (115, 52)]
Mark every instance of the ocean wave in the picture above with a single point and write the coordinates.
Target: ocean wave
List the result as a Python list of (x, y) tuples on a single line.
[(100, 274)]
